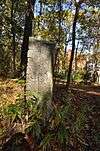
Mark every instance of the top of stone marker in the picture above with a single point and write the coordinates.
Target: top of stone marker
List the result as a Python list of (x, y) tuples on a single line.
[(32, 40)]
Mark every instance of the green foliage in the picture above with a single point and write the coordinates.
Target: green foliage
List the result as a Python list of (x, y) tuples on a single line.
[(6, 40), (79, 76), (21, 82), (14, 111), (62, 123), (65, 123), (54, 23), (60, 75)]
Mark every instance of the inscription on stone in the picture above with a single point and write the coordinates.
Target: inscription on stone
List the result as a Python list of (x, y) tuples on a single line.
[(39, 77)]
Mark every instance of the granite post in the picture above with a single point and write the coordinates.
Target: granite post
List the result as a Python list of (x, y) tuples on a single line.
[(39, 76)]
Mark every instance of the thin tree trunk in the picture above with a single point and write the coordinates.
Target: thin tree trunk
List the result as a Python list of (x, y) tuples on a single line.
[(66, 45), (60, 10), (65, 51), (40, 13), (14, 54), (59, 36), (40, 7), (27, 33), (73, 46), (13, 40), (76, 57)]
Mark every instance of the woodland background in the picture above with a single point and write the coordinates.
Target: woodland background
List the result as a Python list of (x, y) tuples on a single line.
[(74, 26)]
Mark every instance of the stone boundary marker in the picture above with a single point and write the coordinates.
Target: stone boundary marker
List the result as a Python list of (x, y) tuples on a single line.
[(39, 76)]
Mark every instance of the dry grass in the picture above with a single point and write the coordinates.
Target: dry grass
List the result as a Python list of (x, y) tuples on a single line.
[(9, 91)]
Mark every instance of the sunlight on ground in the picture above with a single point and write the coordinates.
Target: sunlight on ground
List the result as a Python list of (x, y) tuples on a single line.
[(9, 91)]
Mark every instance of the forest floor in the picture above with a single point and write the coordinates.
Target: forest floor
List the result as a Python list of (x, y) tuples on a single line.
[(10, 89), (93, 95), (90, 95)]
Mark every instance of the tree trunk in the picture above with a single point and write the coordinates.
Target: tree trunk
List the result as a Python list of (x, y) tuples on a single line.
[(73, 46), (14, 54), (40, 13), (60, 10), (13, 40), (76, 57), (27, 33), (65, 51)]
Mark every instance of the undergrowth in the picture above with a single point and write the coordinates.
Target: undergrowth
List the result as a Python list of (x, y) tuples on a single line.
[(64, 129)]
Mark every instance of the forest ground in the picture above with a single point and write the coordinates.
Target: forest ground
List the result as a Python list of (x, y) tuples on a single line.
[(9, 90), (93, 93), (90, 95)]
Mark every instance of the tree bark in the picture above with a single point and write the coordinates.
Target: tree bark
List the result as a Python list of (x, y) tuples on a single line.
[(76, 57), (27, 33), (60, 10), (73, 45), (13, 40), (40, 14)]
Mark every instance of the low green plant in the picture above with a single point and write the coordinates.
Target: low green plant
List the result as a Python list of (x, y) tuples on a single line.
[(64, 124), (60, 75), (61, 128), (20, 81), (79, 76)]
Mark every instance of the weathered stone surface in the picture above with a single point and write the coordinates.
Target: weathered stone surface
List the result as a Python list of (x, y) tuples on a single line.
[(39, 77)]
